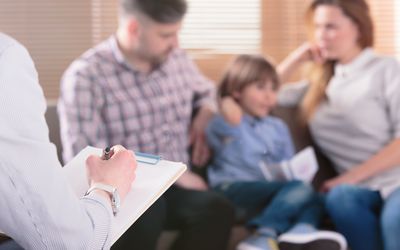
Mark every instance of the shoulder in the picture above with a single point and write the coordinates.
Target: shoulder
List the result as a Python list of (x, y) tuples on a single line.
[(275, 122), (6, 42), (9, 45), (92, 60), (383, 63), (217, 120), (391, 64), (386, 70)]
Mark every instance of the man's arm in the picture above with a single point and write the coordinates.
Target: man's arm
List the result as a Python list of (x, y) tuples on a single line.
[(204, 101), (39, 209), (200, 151)]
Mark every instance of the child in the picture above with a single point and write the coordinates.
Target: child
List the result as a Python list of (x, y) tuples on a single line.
[(244, 136)]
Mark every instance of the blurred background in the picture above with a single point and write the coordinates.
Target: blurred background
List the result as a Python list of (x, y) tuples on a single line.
[(57, 31)]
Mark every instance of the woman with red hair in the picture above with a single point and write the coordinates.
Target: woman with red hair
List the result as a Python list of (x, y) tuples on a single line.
[(351, 103)]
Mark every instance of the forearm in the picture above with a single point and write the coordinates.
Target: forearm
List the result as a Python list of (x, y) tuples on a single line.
[(386, 159), (206, 113), (287, 68), (307, 52), (99, 211)]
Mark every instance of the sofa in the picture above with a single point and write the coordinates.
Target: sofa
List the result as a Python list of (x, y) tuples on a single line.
[(302, 139), (300, 136)]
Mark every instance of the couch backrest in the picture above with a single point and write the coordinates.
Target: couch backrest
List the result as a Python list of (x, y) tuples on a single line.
[(300, 134), (54, 127)]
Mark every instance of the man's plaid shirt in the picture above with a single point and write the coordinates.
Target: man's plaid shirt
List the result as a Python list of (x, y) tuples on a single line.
[(104, 101)]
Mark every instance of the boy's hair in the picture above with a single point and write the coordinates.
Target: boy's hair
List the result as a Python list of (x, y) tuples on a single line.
[(246, 70), (161, 11)]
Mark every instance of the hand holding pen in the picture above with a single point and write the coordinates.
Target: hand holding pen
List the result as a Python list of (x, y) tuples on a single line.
[(115, 167)]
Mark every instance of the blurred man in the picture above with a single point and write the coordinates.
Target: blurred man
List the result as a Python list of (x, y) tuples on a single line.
[(140, 90)]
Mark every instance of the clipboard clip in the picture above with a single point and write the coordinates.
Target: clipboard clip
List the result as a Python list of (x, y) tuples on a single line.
[(147, 158)]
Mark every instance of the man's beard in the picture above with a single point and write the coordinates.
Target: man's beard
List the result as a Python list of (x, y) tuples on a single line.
[(157, 60)]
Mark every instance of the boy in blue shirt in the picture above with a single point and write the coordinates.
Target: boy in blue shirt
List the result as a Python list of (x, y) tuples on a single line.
[(245, 138)]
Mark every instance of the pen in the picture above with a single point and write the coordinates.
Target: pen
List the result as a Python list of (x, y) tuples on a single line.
[(107, 153)]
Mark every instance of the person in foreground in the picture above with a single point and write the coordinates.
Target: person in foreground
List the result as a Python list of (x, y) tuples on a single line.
[(139, 89), (39, 210), (246, 142), (351, 102)]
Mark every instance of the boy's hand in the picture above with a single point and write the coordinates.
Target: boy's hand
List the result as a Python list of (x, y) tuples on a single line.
[(231, 110)]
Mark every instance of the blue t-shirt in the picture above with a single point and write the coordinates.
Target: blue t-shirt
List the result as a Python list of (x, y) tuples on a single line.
[(239, 150)]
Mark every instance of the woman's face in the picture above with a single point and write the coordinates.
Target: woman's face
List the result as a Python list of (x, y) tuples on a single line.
[(335, 34)]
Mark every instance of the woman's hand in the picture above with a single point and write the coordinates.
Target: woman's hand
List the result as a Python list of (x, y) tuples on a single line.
[(231, 110), (347, 178), (384, 160), (307, 52)]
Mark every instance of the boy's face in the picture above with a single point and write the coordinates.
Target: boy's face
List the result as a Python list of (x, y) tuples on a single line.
[(257, 99)]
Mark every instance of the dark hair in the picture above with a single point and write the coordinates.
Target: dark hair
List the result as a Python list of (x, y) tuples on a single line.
[(246, 70), (161, 11)]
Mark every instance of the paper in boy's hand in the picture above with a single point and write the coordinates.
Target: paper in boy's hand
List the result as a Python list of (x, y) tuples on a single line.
[(303, 166), (273, 172)]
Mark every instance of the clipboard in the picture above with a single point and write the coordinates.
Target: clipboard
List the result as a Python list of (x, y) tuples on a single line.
[(153, 177)]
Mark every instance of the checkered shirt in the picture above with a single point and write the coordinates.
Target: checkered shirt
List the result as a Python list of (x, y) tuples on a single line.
[(105, 101)]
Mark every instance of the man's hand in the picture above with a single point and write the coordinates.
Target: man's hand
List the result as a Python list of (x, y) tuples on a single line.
[(118, 171), (190, 180), (200, 150)]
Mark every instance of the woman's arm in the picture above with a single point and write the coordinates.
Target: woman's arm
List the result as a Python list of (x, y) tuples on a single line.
[(389, 156), (385, 159)]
